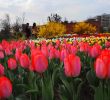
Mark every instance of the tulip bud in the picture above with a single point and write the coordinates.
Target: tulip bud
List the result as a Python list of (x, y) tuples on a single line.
[(12, 63), (5, 87)]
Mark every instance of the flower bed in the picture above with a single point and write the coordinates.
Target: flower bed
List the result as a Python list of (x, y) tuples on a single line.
[(62, 69)]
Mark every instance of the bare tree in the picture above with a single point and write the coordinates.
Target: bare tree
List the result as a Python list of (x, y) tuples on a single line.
[(19, 22), (54, 18), (5, 24), (17, 25), (23, 18)]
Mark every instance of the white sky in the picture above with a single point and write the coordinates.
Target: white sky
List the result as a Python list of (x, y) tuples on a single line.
[(38, 10)]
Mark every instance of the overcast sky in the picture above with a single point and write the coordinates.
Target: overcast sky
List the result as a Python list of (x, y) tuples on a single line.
[(38, 10)]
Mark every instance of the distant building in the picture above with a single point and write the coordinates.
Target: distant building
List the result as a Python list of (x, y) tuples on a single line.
[(102, 22), (105, 22)]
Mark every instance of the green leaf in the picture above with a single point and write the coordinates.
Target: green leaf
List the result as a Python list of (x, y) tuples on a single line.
[(47, 89), (64, 95), (21, 97), (31, 91), (92, 79), (22, 86)]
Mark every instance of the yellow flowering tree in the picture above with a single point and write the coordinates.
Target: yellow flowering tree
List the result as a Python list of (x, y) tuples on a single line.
[(82, 27), (51, 29)]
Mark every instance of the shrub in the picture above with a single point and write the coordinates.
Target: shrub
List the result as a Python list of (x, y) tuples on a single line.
[(82, 27), (51, 29)]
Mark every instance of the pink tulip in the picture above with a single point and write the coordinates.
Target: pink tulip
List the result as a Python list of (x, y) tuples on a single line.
[(52, 53), (57, 53), (32, 44), (1, 70), (1, 55), (75, 43), (5, 87), (1, 47), (44, 50), (107, 44), (12, 63), (24, 61), (5, 44), (39, 63), (72, 65), (64, 54), (73, 50), (95, 51), (84, 47), (8, 51), (102, 65), (57, 44), (18, 54), (100, 68)]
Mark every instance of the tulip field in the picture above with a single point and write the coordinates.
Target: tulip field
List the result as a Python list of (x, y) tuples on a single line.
[(55, 69)]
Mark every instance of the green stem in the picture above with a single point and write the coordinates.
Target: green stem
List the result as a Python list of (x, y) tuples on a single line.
[(108, 89), (103, 90)]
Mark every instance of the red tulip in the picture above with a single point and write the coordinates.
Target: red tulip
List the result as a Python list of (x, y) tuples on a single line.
[(72, 65), (64, 41), (102, 65), (68, 47), (1, 55), (12, 63), (44, 50), (52, 53), (1, 47), (95, 51), (57, 53), (34, 52), (5, 87), (57, 44), (64, 54), (18, 54), (31, 44), (84, 47), (100, 68), (39, 63), (73, 50), (105, 52), (107, 44), (43, 42), (8, 51), (49, 46), (75, 42), (5, 44), (1, 70), (24, 61)]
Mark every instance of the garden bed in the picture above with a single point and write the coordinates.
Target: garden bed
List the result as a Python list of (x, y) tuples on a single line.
[(60, 69)]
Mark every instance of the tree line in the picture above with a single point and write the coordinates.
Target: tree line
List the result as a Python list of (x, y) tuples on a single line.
[(53, 28)]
